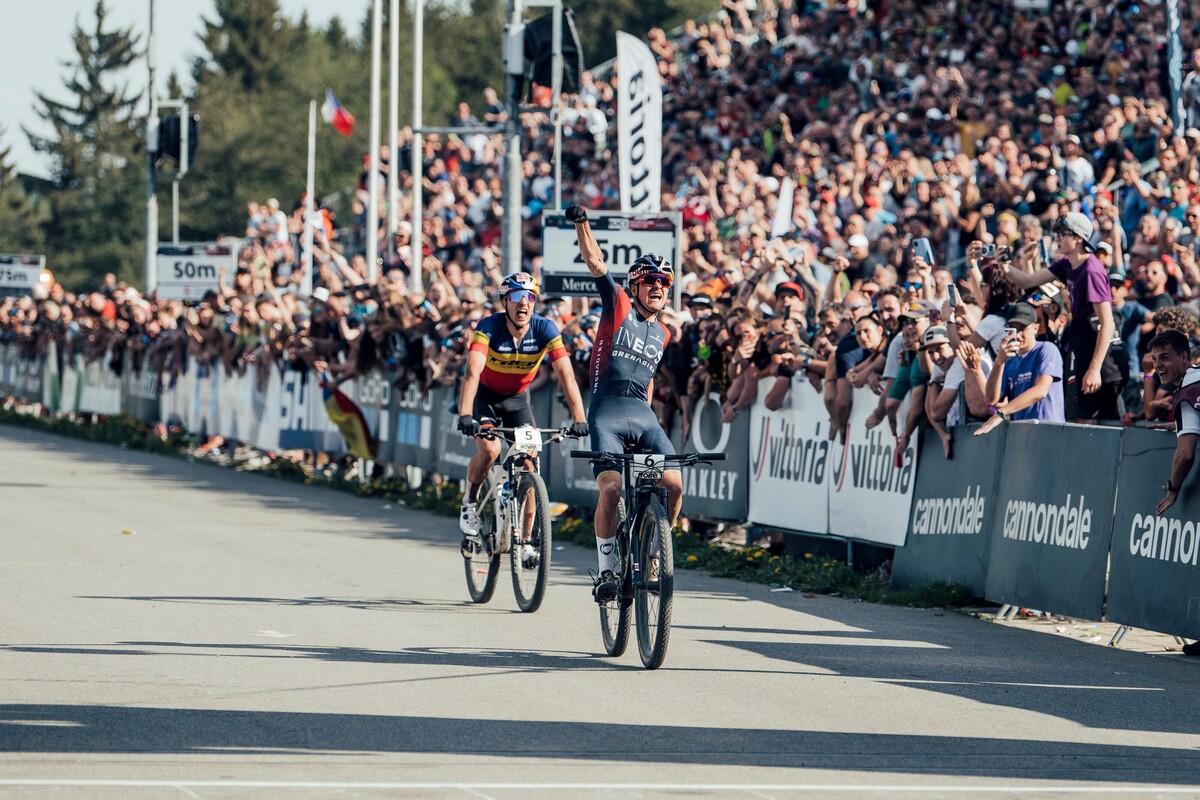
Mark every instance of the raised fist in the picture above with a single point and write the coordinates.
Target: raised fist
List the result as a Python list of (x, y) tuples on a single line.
[(577, 214)]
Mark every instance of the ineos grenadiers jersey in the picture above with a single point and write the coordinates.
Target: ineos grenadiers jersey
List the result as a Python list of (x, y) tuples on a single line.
[(627, 348), (511, 366)]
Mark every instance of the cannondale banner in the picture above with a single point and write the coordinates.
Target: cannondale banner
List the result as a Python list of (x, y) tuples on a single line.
[(639, 125)]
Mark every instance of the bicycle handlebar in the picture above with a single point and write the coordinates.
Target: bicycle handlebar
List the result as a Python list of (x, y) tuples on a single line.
[(680, 458), (497, 431)]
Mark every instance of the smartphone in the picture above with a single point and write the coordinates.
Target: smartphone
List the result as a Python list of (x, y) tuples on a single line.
[(1044, 251), (987, 250), (924, 250), (952, 295), (1010, 333)]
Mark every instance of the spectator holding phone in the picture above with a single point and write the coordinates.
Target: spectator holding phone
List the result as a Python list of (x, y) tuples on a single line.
[(1096, 367), (1026, 382)]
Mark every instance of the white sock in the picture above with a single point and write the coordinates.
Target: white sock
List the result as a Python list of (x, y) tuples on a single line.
[(604, 553)]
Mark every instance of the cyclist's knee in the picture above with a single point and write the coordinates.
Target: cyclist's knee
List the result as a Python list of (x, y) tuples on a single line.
[(489, 447), (672, 481), (610, 489)]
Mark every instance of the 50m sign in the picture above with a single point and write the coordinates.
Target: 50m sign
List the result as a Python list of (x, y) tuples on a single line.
[(186, 272)]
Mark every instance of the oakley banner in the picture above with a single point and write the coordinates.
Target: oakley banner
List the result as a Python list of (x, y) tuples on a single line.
[(949, 532), (1053, 517), (718, 490), (1154, 568)]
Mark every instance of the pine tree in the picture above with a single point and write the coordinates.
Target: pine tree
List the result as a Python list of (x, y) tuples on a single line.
[(19, 232), (247, 42), (95, 222)]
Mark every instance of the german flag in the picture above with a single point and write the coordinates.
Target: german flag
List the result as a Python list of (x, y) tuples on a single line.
[(349, 419)]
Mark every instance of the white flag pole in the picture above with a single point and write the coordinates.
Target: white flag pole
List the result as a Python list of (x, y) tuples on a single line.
[(416, 241), (373, 178), (309, 204), (393, 195)]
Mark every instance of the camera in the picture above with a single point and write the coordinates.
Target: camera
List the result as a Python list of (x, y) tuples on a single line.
[(987, 250)]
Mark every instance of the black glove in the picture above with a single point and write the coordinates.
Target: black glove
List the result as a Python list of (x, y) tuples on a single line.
[(579, 429), (468, 425), (577, 214)]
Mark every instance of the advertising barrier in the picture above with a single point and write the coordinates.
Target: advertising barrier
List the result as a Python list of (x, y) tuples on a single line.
[(790, 461), (454, 451), (1154, 569), (412, 420), (1052, 522), (802, 481), (869, 495), (719, 490), (20, 376), (949, 531)]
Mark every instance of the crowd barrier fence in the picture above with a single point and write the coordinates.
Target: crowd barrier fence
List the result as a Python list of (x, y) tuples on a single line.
[(1054, 517)]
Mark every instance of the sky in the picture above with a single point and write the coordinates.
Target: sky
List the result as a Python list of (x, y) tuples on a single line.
[(31, 61)]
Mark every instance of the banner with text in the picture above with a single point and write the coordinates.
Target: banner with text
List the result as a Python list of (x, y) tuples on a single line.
[(1052, 521), (949, 532), (1154, 569), (790, 461), (639, 125), (719, 490), (20, 273), (187, 271)]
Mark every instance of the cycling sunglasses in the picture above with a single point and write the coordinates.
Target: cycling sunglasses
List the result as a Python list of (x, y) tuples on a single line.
[(661, 280), (521, 296)]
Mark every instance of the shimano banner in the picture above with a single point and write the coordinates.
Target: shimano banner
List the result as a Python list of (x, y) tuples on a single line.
[(639, 125), (1052, 521), (412, 421), (790, 461), (949, 532), (1154, 569), (716, 491), (454, 451)]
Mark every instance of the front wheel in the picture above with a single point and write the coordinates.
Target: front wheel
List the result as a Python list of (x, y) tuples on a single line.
[(483, 566), (654, 583), (530, 553)]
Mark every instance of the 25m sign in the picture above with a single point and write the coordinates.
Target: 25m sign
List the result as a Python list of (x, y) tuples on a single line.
[(186, 272)]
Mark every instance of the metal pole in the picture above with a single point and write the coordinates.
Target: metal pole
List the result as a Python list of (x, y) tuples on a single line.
[(175, 210), (373, 177), (512, 166), (393, 195), (556, 109), (1175, 67), (306, 285), (151, 151), (416, 241)]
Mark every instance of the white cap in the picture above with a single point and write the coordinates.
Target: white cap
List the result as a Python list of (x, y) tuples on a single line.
[(858, 240), (320, 294)]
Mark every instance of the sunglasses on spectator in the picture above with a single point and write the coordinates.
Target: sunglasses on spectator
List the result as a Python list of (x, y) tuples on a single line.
[(913, 285), (521, 296)]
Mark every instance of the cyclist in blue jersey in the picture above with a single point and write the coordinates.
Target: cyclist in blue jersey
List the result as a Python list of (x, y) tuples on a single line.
[(507, 349), (629, 344)]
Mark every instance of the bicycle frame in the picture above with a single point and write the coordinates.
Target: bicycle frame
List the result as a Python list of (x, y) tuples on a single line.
[(504, 474)]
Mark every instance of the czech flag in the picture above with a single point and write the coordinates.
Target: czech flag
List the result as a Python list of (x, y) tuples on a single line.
[(336, 115), (349, 419)]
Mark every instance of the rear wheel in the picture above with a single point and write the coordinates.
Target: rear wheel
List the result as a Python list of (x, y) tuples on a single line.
[(530, 554), (483, 566), (614, 613), (654, 583)]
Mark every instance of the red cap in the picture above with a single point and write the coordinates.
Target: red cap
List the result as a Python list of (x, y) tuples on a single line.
[(789, 286)]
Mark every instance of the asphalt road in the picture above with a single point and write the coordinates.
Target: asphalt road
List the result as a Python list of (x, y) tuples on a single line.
[(170, 629)]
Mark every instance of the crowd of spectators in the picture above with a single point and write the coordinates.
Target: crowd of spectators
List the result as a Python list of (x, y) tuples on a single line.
[(942, 156)]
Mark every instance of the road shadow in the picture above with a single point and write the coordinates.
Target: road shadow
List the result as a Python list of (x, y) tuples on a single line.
[(81, 729)]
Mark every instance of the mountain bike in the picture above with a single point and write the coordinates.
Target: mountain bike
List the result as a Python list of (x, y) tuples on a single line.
[(643, 554), (514, 518)]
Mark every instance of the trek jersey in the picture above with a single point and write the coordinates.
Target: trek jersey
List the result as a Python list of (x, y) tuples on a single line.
[(511, 366), (627, 348)]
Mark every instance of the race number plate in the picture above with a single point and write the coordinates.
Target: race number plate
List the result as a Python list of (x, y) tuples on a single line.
[(527, 438)]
